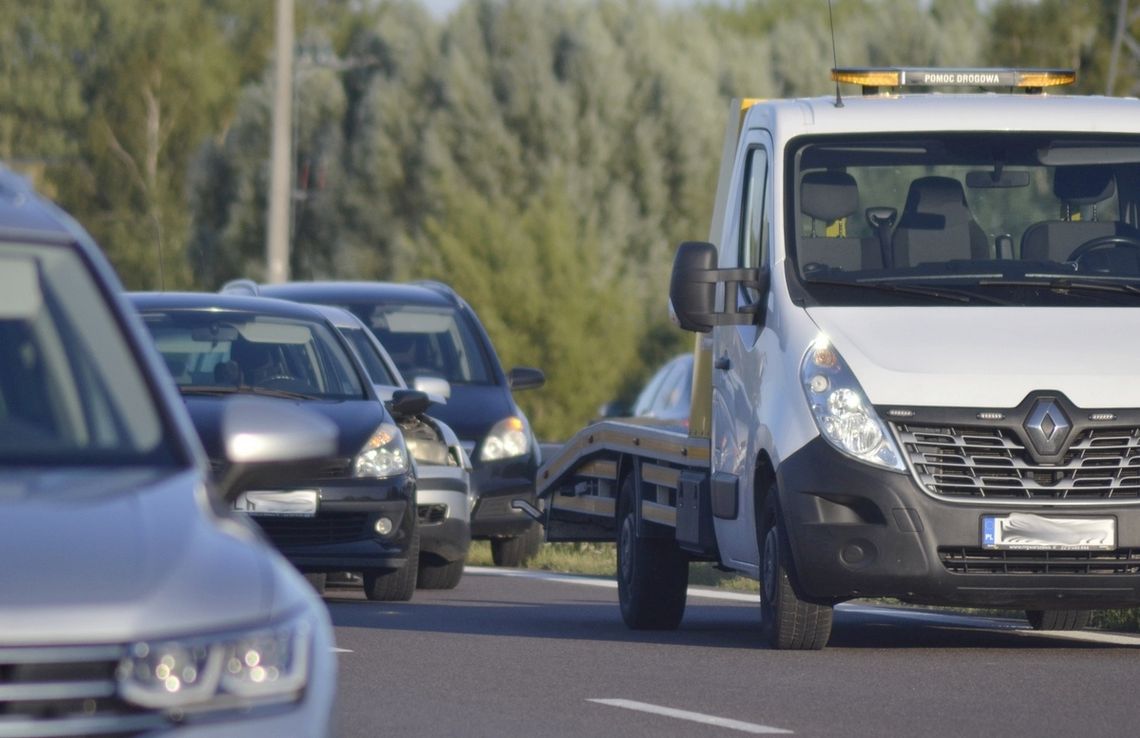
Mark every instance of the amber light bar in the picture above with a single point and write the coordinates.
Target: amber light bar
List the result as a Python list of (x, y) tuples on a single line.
[(1029, 79)]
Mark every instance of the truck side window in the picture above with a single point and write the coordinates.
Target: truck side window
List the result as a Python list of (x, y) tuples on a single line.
[(753, 250)]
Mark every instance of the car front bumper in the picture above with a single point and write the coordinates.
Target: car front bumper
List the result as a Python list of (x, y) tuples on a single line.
[(858, 531), (342, 535), (496, 484)]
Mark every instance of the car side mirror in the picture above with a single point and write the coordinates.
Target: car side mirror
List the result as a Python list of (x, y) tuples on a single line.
[(433, 386), (269, 444), (692, 290), (525, 377), (408, 403)]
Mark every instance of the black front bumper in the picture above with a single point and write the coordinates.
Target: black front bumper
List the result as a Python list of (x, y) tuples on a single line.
[(496, 484), (342, 536), (858, 531)]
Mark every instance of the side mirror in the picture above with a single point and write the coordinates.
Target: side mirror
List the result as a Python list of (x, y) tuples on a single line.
[(433, 386), (692, 289), (408, 403), (269, 444), (525, 377)]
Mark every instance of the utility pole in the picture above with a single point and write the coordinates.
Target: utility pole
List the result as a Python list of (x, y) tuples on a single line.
[(281, 166), (1123, 39)]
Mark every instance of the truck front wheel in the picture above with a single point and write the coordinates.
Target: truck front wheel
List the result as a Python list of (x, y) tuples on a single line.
[(788, 622), (652, 573)]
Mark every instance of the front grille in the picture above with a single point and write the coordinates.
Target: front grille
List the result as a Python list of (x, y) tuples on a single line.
[(430, 514), (322, 529), (67, 691), (986, 462), (986, 561), (337, 468)]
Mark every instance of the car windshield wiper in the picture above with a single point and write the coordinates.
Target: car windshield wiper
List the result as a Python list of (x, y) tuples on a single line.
[(207, 389), (943, 293), (272, 392), (1062, 284)]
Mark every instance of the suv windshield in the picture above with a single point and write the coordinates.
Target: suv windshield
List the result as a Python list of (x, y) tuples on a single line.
[(220, 352), (427, 341), (977, 219), (71, 392)]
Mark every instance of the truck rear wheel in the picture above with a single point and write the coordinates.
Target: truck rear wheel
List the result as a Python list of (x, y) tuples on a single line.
[(788, 622), (652, 573), (1058, 619)]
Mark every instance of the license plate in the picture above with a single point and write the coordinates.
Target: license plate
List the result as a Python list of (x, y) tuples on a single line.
[(1031, 532), (301, 503)]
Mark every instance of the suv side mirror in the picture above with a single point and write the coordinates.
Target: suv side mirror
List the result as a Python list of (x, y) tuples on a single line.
[(525, 377), (433, 386), (692, 290), (408, 403)]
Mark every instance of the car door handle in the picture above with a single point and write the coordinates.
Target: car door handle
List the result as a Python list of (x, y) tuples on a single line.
[(723, 363)]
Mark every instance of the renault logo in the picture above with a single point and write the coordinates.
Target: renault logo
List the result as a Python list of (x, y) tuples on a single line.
[(1047, 427)]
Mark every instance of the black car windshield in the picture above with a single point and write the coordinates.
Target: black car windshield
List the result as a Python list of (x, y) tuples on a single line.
[(222, 352), (970, 219), (71, 390), (426, 341)]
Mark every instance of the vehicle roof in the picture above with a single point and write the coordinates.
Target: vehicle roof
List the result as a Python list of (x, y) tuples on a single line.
[(417, 293), (947, 112), (238, 303), (339, 317)]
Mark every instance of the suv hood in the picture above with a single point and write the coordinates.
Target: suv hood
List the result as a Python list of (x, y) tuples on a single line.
[(988, 357), (98, 555)]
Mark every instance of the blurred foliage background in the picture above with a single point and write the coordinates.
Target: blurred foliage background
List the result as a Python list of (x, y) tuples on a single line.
[(544, 157)]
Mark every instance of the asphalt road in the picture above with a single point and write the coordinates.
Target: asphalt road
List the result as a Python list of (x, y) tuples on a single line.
[(509, 654)]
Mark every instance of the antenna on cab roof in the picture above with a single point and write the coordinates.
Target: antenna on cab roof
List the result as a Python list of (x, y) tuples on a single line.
[(834, 54)]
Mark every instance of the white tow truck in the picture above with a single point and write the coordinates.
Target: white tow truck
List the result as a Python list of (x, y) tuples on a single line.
[(916, 369)]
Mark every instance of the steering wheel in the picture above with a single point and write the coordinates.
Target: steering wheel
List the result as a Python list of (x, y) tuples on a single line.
[(1101, 242)]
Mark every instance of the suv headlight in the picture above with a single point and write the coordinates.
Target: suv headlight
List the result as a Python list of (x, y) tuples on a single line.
[(265, 664), (385, 454), (506, 440), (841, 410)]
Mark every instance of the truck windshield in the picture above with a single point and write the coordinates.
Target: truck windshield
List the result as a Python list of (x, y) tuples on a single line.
[(971, 219)]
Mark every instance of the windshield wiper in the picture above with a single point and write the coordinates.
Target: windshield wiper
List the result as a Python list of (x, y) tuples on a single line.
[(271, 392), (207, 389), (943, 293), (1062, 284)]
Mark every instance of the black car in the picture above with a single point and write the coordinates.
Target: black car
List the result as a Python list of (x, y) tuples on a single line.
[(440, 346), (355, 514)]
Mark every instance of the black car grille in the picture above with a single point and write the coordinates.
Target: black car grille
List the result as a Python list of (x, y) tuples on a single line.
[(322, 529), (67, 691), (986, 561), (993, 463), (337, 468)]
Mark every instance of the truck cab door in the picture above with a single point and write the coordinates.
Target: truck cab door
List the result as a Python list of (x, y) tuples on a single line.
[(738, 356)]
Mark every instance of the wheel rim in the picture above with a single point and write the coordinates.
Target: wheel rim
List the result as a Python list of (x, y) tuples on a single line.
[(770, 569), (626, 558)]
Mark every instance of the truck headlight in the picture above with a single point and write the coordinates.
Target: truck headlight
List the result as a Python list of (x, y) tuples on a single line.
[(265, 664), (385, 454), (506, 440), (841, 410)]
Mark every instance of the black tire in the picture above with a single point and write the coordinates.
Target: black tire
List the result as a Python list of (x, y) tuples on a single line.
[(788, 622), (516, 551), (317, 580), (652, 573), (439, 574), (1058, 619), (395, 585)]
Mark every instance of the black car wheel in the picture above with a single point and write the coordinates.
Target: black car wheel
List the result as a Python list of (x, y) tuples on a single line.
[(435, 573), (395, 585), (652, 573), (788, 622), (518, 550)]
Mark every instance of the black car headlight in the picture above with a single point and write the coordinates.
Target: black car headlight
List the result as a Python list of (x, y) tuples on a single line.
[(507, 439), (264, 664), (385, 454)]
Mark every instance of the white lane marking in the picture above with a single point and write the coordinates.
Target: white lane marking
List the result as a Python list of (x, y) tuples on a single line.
[(695, 717), (1016, 627), (341, 650), (712, 594)]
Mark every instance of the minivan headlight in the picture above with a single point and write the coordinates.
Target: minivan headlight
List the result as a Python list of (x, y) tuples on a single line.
[(841, 410), (265, 664), (385, 454), (507, 439)]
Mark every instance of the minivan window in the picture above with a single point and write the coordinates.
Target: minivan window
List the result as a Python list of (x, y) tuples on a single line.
[(966, 219), (71, 392)]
